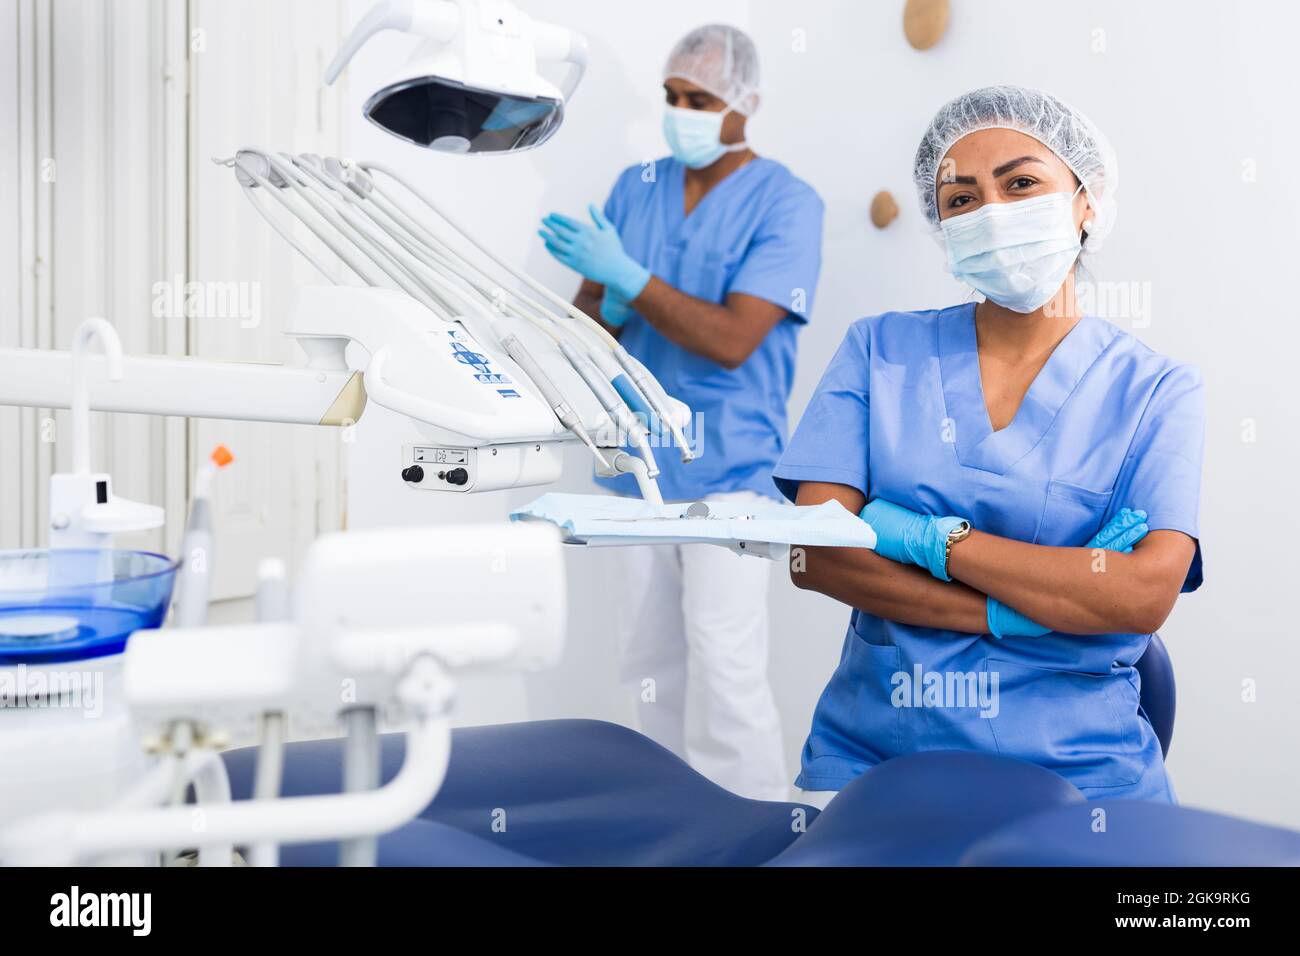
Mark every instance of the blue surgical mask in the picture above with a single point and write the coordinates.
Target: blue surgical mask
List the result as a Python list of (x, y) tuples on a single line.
[(695, 136), (1016, 253)]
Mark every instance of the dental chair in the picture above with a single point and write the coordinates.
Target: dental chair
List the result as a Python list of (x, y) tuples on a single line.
[(1156, 673), (926, 809), (590, 793), (1134, 833), (1137, 832), (550, 792)]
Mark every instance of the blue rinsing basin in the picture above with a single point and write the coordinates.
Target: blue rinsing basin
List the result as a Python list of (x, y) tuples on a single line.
[(67, 604)]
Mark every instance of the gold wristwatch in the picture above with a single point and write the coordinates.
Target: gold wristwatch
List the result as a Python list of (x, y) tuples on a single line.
[(959, 533)]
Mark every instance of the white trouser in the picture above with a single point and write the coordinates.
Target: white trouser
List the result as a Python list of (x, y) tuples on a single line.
[(694, 643)]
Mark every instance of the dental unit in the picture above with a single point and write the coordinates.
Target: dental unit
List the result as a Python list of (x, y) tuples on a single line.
[(494, 371), (494, 374)]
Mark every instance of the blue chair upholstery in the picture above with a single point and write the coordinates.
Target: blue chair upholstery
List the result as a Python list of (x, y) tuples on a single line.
[(418, 843), (569, 792), (1158, 697), (926, 809), (1137, 833)]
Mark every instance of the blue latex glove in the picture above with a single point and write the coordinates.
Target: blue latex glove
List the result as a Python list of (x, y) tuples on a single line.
[(1006, 621), (595, 251), (1122, 531), (1120, 534), (909, 538), (614, 308)]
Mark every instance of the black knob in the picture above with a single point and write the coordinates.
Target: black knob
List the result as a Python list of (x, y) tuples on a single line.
[(457, 476), (414, 473)]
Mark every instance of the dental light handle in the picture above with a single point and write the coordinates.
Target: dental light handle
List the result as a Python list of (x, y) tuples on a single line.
[(564, 46), (87, 332), (435, 19), (441, 21)]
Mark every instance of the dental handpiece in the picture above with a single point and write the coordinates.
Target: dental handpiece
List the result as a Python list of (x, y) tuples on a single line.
[(554, 397)]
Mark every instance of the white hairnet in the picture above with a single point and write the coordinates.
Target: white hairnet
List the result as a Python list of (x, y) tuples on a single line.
[(1061, 128), (720, 59)]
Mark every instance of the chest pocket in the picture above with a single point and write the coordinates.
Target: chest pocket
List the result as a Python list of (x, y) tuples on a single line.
[(1071, 515), (706, 274)]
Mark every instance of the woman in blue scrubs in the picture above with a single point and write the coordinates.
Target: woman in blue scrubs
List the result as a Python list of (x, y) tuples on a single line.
[(1032, 473), (704, 265)]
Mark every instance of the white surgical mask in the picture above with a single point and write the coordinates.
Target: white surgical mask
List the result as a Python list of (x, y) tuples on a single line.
[(695, 136), (1016, 253)]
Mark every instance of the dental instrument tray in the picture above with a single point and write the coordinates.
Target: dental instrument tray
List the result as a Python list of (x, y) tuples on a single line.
[(73, 604), (745, 527)]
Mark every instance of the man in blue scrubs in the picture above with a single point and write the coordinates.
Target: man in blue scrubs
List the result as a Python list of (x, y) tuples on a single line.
[(704, 265)]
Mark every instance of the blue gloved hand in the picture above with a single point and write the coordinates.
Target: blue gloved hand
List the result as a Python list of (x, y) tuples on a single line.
[(1122, 531), (910, 538), (1120, 534), (595, 252), (614, 308), (1004, 621)]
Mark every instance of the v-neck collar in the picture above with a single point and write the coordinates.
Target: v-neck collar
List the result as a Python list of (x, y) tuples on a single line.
[(977, 444), (678, 192)]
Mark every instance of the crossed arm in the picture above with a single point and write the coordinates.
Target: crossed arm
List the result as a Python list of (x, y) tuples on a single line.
[(1072, 590), (726, 334)]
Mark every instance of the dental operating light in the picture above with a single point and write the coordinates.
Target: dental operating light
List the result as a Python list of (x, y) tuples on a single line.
[(473, 85)]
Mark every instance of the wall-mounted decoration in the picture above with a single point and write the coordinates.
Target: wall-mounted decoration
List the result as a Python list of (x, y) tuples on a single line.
[(884, 209), (924, 22)]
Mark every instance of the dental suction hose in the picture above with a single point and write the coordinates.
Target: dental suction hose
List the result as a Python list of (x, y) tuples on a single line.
[(636, 467)]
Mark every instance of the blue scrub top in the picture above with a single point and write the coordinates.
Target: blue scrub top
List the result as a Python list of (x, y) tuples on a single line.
[(759, 232), (1107, 424)]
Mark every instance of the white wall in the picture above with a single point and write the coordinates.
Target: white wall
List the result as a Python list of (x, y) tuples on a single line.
[(15, 221), (86, 169), (284, 489), (1192, 101)]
